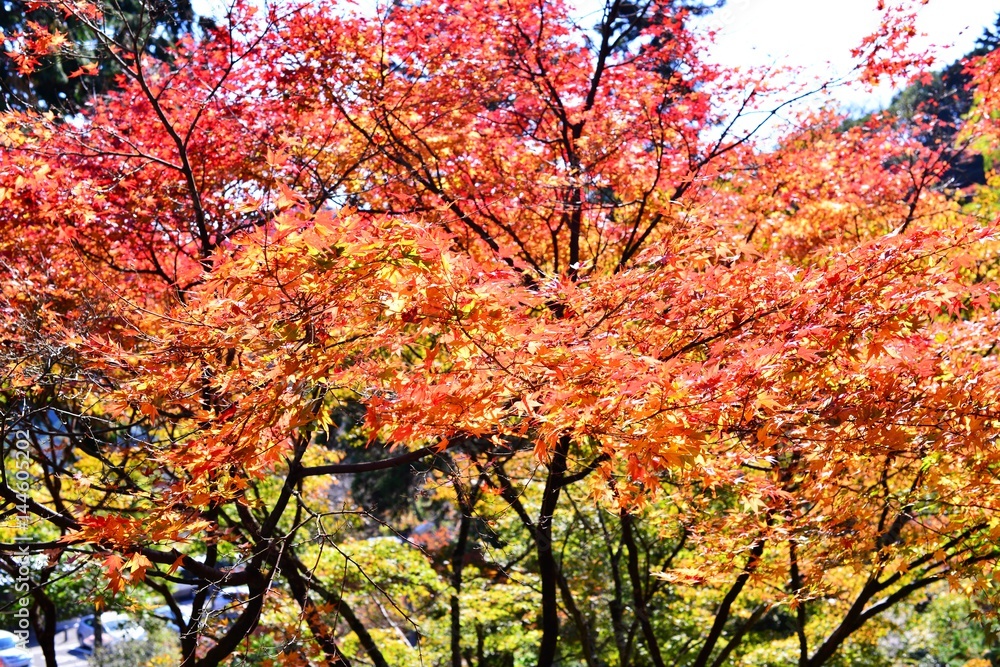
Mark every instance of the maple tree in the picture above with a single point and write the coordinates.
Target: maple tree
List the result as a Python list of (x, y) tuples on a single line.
[(539, 273), (50, 75)]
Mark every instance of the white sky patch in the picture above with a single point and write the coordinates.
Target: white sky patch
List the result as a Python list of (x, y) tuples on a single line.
[(818, 35), (814, 35)]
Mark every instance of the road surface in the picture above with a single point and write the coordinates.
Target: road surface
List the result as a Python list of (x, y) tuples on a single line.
[(68, 651)]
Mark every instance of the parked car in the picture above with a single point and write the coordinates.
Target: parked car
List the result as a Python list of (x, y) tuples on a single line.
[(164, 613), (12, 653), (222, 602), (230, 600), (116, 627)]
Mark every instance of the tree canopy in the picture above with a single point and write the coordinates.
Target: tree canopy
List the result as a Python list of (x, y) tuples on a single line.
[(49, 74), (469, 334)]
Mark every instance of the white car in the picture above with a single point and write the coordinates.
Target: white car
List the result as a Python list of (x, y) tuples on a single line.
[(12, 654), (165, 614), (115, 627), (225, 603), (230, 600)]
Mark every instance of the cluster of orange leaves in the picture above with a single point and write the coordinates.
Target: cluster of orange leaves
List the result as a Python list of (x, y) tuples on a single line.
[(313, 209)]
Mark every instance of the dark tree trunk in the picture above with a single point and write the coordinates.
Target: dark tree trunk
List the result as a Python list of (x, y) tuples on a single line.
[(548, 569), (43, 622)]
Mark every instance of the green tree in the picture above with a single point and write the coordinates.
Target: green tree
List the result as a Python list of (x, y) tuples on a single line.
[(58, 82)]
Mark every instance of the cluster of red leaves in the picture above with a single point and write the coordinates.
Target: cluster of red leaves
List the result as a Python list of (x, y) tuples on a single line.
[(494, 244), (886, 54)]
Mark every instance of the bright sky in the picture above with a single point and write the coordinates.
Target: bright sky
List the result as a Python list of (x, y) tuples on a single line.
[(818, 35)]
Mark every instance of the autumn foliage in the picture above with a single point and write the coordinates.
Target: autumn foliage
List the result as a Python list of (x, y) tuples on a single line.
[(553, 268)]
